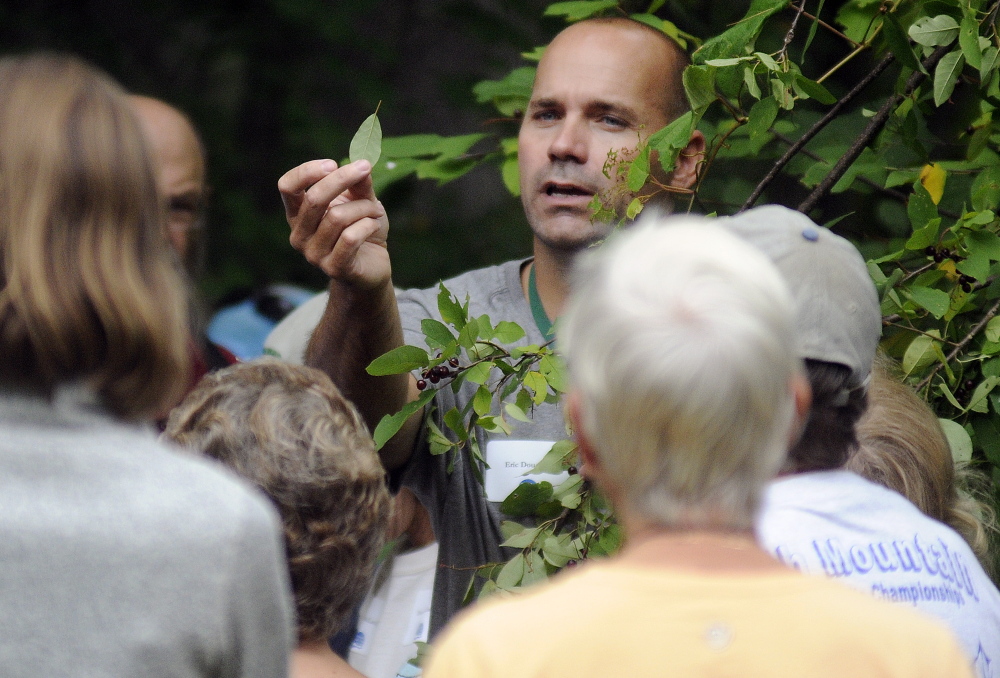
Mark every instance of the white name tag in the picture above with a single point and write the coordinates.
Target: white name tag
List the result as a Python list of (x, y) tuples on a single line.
[(509, 460)]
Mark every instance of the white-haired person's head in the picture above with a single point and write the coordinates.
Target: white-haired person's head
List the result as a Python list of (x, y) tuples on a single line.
[(680, 344)]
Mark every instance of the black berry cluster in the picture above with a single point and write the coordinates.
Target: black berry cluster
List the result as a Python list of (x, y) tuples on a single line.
[(963, 391), (437, 373), (966, 281), (939, 254)]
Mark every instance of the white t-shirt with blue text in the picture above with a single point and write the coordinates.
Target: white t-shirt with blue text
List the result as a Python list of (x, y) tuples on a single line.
[(839, 524)]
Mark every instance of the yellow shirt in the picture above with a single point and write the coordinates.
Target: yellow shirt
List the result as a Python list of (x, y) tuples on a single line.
[(607, 619)]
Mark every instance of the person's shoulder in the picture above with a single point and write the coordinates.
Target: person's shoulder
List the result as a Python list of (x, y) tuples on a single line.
[(516, 612), (167, 484), (840, 489), (473, 283)]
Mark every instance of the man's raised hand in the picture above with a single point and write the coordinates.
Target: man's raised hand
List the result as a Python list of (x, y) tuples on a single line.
[(337, 222)]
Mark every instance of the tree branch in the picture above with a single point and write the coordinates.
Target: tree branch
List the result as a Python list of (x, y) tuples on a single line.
[(790, 35), (962, 344), (830, 28), (815, 129), (874, 127)]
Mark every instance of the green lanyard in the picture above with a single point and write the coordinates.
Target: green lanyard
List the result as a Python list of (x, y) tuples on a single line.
[(537, 310)]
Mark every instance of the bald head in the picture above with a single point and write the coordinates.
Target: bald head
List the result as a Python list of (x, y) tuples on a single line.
[(179, 163), (651, 50)]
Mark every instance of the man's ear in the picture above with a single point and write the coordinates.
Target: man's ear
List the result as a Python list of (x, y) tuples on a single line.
[(689, 161)]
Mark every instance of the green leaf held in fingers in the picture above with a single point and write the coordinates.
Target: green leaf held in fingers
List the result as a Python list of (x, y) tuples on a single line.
[(367, 141)]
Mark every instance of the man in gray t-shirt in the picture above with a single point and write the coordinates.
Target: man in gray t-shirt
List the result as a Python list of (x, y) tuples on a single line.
[(601, 86)]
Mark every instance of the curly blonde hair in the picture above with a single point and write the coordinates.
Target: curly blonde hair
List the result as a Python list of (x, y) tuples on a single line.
[(288, 430)]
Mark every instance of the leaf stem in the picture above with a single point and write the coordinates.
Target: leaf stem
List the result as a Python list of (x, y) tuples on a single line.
[(976, 329), (840, 64), (790, 35)]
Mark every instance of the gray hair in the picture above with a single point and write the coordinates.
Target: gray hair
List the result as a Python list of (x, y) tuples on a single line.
[(680, 344)]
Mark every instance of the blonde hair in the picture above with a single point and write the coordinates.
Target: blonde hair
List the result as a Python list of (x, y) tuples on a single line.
[(903, 447), (680, 345), (288, 430), (89, 285)]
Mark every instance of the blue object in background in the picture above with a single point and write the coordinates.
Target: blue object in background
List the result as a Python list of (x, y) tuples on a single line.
[(242, 328)]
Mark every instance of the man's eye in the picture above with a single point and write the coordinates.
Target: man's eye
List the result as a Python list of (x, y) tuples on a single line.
[(612, 121), (545, 116)]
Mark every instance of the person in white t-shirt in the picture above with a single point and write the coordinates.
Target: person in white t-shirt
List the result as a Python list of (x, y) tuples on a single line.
[(396, 614)]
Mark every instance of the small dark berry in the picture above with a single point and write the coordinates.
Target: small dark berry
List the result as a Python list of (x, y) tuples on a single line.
[(421, 384), (938, 257), (442, 371), (571, 563), (960, 394), (572, 470), (966, 287), (434, 377), (930, 250), (453, 362), (969, 384)]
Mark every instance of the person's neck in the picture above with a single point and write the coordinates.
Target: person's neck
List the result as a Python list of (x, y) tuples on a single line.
[(552, 275), (700, 549), (315, 659)]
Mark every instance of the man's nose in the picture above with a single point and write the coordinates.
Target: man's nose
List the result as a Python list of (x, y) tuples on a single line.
[(570, 142)]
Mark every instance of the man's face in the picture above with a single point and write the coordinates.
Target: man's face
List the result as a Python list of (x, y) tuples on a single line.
[(599, 88), (179, 167)]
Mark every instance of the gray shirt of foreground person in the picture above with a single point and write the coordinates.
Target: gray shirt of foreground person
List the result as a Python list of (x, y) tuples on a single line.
[(465, 515), (121, 557)]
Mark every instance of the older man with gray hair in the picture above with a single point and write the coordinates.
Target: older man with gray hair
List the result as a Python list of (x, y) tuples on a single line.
[(686, 390)]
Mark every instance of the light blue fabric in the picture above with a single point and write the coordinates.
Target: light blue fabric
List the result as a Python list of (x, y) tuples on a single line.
[(241, 328)]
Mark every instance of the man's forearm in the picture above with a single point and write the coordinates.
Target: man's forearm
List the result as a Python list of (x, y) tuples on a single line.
[(357, 327)]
